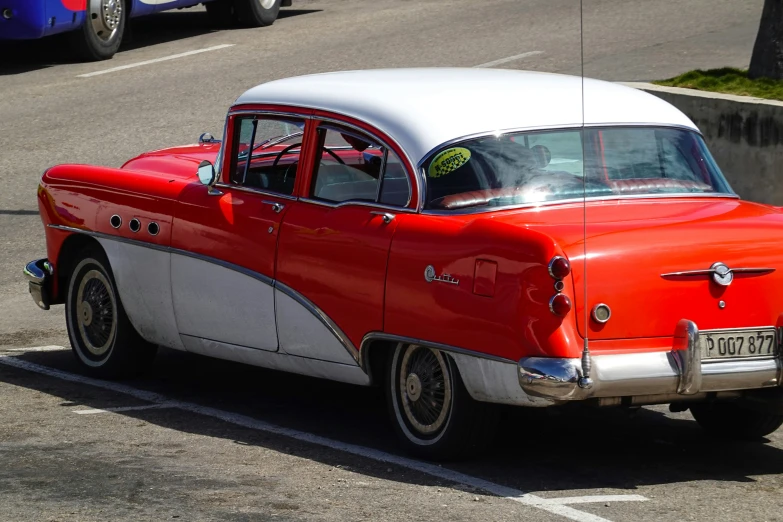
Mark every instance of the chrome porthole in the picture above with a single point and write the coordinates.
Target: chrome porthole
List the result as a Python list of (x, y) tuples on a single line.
[(115, 221), (153, 228), (134, 225), (601, 313)]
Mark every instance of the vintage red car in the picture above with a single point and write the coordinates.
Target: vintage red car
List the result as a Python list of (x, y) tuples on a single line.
[(465, 238)]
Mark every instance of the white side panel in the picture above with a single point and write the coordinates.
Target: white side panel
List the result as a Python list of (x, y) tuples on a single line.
[(303, 334), (215, 302), (142, 277), (494, 381), (349, 373)]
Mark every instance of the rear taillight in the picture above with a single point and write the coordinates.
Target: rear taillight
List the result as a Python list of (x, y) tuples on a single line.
[(559, 267), (560, 305)]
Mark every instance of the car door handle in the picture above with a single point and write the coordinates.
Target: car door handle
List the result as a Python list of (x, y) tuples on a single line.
[(277, 207), (387, 217)]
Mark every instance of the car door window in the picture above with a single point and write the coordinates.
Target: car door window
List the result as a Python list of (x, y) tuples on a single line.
[(273, 147), (353, 167)]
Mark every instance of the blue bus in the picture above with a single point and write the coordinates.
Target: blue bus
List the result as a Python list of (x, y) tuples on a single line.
[(96, 26)]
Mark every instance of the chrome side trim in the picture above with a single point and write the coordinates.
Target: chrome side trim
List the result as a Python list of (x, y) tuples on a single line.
[(348, 373), (253, 190), (710, 271), (225, 264), (369, 204), (382, 336), (317, 312), (485, 210)]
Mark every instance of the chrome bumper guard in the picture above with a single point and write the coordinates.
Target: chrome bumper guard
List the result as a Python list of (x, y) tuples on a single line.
[(39, 274), (679, 372)]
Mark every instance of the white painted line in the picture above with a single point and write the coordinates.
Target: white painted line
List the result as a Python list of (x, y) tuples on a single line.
[(587, 499), (93, 411), (508, 59), (528, 499), (156, 60), (39, 349)]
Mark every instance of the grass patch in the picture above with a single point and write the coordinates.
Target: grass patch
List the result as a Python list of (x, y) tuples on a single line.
[(729, 81)]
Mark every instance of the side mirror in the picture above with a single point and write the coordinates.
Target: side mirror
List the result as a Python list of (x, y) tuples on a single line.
[(207, 176)]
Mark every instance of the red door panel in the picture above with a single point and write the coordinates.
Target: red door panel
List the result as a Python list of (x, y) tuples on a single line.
[(336, 257)]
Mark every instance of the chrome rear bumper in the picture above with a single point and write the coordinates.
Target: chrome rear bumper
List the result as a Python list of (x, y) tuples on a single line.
[(678, 373), (39, 274)]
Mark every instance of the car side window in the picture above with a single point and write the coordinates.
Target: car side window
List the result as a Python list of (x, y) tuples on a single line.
[(353, 167), (273, 147)]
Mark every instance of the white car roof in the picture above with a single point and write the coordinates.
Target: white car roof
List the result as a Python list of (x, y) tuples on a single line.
[(423, 108)]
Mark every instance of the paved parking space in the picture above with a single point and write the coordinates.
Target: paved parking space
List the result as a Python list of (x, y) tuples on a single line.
[(198, 439), (238, 443)]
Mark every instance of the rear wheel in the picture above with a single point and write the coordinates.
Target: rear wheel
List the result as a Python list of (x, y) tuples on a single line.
[(100, 35), (257, 13), (433, 414), (725, 419), (102, 337)]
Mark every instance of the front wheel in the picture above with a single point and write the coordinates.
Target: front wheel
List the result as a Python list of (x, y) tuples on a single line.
[(433, 414), (100, 35), (102, 337), (728, 420), (257, 13)]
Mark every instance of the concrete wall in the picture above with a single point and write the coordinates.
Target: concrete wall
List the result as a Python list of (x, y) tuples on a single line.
[(744, 134)]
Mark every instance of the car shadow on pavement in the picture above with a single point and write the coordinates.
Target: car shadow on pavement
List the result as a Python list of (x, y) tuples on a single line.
[(30, 55), (536, 450)]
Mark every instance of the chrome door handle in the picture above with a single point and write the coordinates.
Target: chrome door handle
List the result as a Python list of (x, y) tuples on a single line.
[(387, 217), (277, 207)]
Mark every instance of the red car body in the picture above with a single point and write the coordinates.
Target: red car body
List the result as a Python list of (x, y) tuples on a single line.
[(361, 271)]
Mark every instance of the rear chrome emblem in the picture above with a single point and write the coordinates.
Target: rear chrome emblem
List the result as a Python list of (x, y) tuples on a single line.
[(430, 276), (721, 274)]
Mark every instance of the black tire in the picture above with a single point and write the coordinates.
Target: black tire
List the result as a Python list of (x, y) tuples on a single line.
[(222, 13), (729, 420), (468, 426), (93, 43), (252, 13), (102, 337)]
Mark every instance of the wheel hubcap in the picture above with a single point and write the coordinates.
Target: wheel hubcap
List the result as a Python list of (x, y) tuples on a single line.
[(105, 17), (96, 313), (267, 4), (426, 389)]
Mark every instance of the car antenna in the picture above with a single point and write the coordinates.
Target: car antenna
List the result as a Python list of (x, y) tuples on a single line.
[(584, 381)]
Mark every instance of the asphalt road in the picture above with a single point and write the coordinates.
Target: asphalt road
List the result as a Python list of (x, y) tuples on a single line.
[(172, 462)]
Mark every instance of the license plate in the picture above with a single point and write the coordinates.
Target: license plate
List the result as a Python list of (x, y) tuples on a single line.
[(725, 344)]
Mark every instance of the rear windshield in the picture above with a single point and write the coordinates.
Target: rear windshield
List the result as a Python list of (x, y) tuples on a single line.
[(533, 167)]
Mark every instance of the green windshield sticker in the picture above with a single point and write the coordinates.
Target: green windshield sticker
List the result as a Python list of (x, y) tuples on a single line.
[(448, 161)]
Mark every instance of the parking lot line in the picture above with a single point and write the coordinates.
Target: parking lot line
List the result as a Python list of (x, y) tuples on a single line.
[(552, 505), (508, 59), (93, 411), (156, 60)]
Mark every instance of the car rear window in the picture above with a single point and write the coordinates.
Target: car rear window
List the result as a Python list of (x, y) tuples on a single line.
[(534, 167)]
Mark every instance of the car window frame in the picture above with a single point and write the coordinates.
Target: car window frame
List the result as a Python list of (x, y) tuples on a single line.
[(363, 134), (422, 174), (234, 121)]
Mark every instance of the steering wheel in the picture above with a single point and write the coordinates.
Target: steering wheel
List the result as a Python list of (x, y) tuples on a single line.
[(283, 153), (334, 155)]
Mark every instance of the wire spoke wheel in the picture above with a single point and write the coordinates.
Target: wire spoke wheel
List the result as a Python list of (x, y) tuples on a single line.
[(425, 390), (96, 313)]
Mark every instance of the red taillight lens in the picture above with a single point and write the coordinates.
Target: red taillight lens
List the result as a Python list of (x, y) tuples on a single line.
[(559, 267), (560, 305)]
